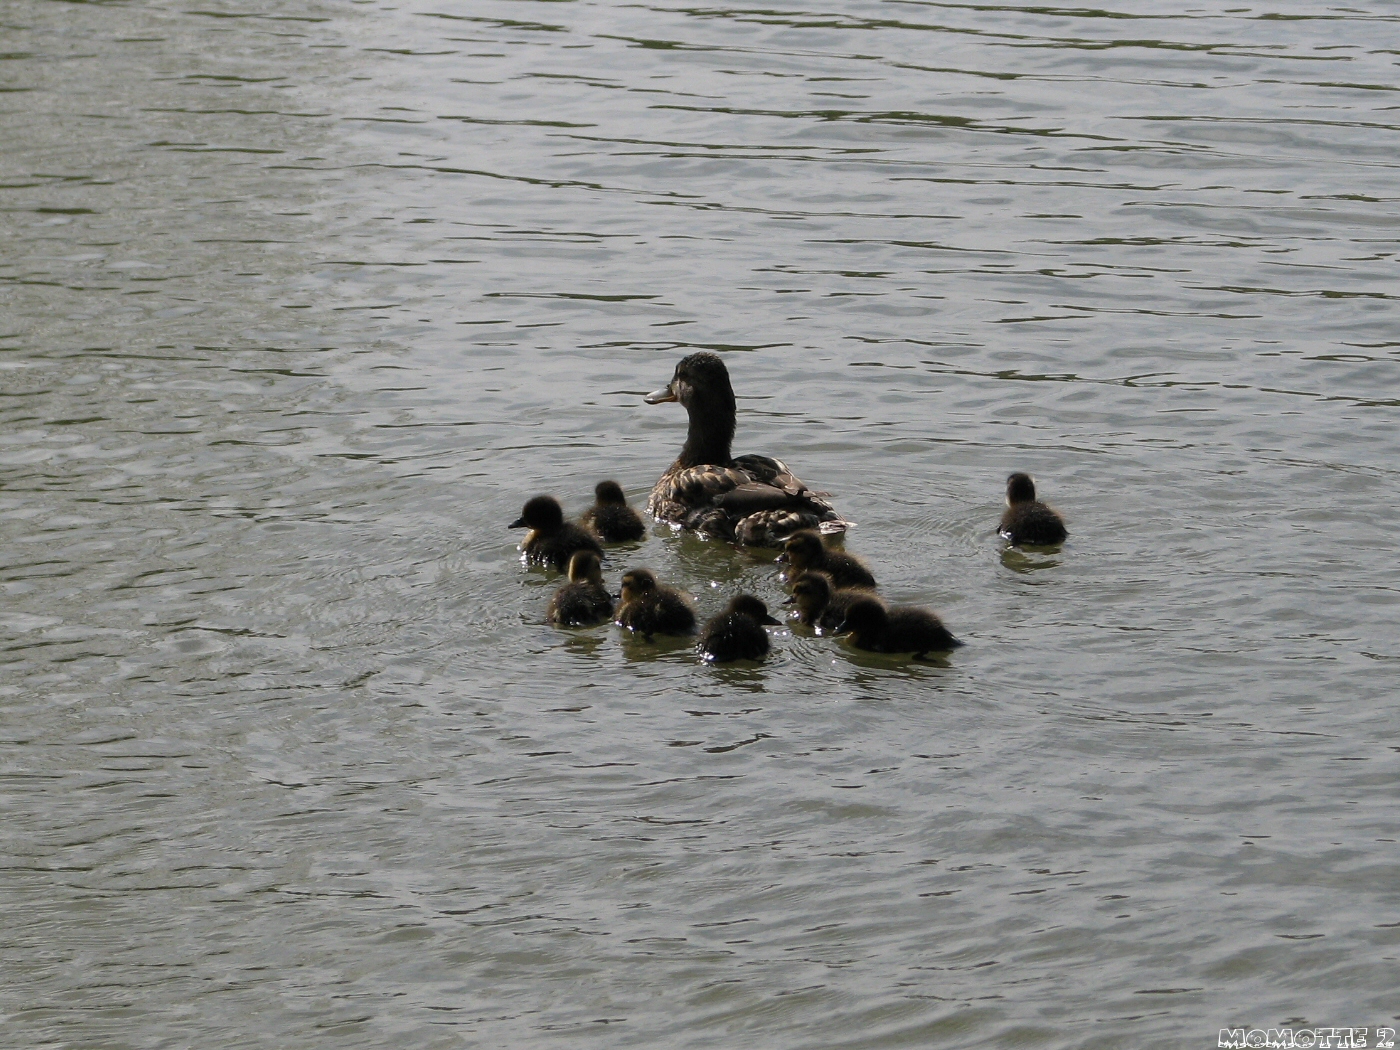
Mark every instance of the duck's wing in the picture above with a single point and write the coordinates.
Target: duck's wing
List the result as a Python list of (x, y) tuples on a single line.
[(774, 474), (682, 490)]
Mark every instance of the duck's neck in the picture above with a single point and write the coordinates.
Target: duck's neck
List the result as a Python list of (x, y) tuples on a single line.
[(711, 430)]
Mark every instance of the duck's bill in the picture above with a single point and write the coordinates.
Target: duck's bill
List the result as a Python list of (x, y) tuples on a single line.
[(657, 397), (771, 622), (518, 523)]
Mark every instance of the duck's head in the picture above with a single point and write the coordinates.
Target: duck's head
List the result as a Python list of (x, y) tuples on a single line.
[(748, 605), (637, 582), (811, 592), (541, 513), (609, 492), (701, 384), (584, 567), (803, 550), (698, 377), (1020, 488), (866, 614)]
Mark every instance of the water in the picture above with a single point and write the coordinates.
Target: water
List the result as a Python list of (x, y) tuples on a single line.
[(301, 303)]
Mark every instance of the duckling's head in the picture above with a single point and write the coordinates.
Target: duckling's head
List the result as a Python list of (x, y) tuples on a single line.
[(748, 605), (811, 592), (866, 614), (541, 513), (584, 567), (803, 550), (609, 492), (1020, 488), (637, 582)]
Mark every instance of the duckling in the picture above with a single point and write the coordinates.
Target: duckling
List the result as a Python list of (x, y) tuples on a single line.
[(583, 601), (551, 540), (737, 633), (649, 608), (1027, 520), (610, 518), (821, 606), (752, 500), (880, 628), (805, 551)]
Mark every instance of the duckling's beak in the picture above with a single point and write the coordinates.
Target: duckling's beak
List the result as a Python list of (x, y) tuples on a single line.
[(771, 622), (518, 523), (782, 559), (666, 393)]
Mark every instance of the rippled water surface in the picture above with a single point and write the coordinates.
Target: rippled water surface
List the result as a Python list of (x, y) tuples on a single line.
[(299, 302)]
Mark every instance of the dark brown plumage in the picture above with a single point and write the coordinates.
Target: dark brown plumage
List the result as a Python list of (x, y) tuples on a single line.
[(551, 540), (881, 628), (1026, 519), (610, 518), (820, 605), (583, 601), (805, 552), (753, 500), (737, 633), (648, 608)]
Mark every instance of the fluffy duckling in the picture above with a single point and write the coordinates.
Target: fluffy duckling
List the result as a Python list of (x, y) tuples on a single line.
[(820, 605), (752, 500), (737, 633), (610, 518), (649, 608), (551, 540), (805, 552), (583, 601), (1027, 520), (881, 628)]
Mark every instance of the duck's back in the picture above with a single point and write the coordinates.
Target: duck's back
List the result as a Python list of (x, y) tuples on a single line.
[(1033, 523), (912, 629), (557, 547), (614, 522), (734, 636), (580, 605), (662, 611)]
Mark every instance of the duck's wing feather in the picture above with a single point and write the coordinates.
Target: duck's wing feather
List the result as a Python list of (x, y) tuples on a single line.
[(682, 490), (775, 473)]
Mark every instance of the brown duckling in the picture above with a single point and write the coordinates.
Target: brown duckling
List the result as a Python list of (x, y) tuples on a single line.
[(610, 518), (551, 540), (649, 608), (1027, 520), (694, 493), (804, 551), (737, 633), (583, 601), (820, 605), (882, 628)]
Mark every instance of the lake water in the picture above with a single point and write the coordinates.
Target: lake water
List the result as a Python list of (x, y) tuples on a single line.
[(299, 303)]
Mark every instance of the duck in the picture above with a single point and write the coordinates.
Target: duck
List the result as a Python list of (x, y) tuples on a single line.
[(583, 601), (737, 633), (610, 518), (647, 608), (881, 628), (820, 605), (551, 540), (752, 500), (804, 551), (1026, 519)]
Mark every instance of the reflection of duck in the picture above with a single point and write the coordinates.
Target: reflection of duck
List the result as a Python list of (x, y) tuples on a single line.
[(648, 608), (583, 601), (1027, 520), (881, 628), (805, 552), (737, 633), (819, 604), (751, 499), (610, 518), (551, 540)]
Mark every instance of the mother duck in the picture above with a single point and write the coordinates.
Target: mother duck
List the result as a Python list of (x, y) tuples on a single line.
[(753, 500)]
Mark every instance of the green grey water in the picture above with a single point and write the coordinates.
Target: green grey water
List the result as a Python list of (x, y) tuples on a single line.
[(299, 304)]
